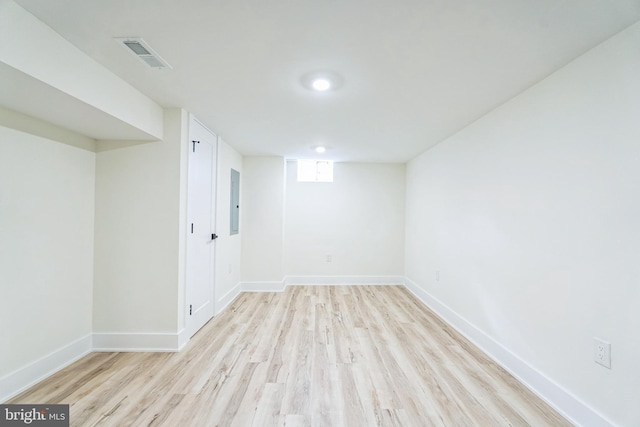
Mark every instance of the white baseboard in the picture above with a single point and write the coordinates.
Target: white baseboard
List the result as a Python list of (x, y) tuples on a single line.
[(119, 342), (344, 280), (279, 286), (572, 408), (183, 338), (18, 381), (276, 286), (228, 298)]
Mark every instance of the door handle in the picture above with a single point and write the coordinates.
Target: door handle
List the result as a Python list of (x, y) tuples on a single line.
[(214, 236)]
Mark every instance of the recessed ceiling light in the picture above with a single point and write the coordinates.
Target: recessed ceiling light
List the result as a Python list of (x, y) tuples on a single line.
[(320, 149), (322, 81), (320, 84)]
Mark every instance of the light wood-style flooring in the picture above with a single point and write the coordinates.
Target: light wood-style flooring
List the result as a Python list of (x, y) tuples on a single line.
[(310, 356)]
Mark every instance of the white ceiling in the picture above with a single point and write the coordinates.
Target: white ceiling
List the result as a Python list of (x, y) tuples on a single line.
[(415, 71)]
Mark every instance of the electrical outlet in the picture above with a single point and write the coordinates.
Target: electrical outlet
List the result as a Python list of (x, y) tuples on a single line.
[(602, 352), (328, 258)]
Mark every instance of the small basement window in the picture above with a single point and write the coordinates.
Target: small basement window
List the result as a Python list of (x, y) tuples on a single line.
[(315, 171)]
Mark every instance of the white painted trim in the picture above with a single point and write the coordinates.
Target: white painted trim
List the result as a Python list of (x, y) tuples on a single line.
[(27, 376), (126, 342), (344, 280), (279, 286), (183, 338), (263, 286), (572, 408), (223, 302)]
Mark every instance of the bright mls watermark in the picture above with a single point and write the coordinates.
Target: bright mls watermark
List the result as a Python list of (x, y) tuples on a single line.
[(34, 415)]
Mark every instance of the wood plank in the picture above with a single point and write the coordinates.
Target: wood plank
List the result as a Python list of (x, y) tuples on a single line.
[(309, 356)]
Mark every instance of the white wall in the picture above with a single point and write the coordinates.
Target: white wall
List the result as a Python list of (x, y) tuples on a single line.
[(262, 219), (125, 281), (531, 215), (228, 247), (40, 62), (358, 220), (33, 126), (46, 247), (138, 265)]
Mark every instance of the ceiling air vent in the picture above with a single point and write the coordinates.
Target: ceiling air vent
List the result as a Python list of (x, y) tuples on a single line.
[(143, 51)]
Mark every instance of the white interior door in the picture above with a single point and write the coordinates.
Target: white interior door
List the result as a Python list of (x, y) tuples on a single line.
[(200, 227)]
